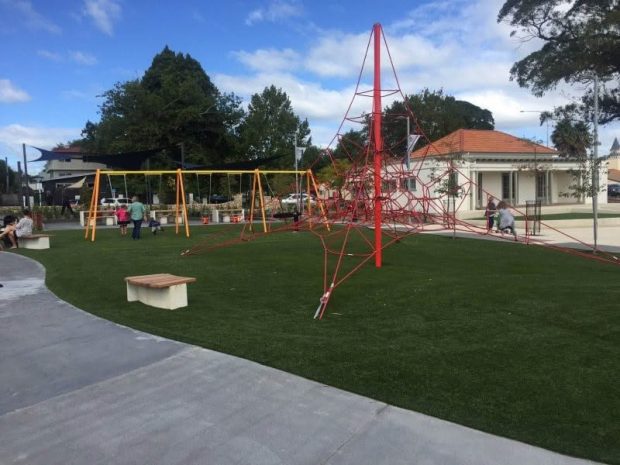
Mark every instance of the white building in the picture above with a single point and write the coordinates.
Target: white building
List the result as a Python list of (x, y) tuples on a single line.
[(487, 163)]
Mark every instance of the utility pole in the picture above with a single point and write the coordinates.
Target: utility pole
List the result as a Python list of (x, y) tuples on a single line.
[(26, 176), (6, 167), (595, 163), (20, 192), (299, 151)]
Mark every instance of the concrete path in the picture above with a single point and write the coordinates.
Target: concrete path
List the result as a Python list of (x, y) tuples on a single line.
[(75, 389)]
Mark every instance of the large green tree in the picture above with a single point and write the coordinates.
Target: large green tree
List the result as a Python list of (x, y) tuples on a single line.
[(435, 116), (174, 107), (579, 39), (431, 113), (270, 128)]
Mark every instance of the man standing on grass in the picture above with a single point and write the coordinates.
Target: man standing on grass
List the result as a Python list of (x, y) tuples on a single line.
[(138, 213)]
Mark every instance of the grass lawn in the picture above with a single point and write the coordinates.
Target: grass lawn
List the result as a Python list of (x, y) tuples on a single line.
[(515, 340)]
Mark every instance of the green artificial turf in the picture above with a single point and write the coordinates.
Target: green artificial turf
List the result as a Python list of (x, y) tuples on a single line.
[(516, 340)]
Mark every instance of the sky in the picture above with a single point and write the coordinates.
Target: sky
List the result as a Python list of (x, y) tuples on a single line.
[(58, 56)]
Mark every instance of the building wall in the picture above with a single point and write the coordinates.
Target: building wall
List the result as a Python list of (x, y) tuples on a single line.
[(527, 187), (69, 167), (561, 181)]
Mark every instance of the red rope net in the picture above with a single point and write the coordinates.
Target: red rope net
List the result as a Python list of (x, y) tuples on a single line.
[(417, 195)]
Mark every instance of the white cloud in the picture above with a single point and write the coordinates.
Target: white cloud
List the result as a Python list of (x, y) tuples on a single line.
[(104, 13), (337, 55), (456, 45), (83, 58), (9, 93), (14, 135), (74, 94), (269, 60), (52, 56), (324, 108), (33, 19), (277, 10)]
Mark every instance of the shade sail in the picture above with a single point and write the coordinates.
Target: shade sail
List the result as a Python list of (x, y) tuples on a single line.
[(77, 184), (231, 166), (123, 161)]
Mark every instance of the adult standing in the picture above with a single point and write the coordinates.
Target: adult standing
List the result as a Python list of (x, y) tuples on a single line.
[(66, 205), (137, 212)]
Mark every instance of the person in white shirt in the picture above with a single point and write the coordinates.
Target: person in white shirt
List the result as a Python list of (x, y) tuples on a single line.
[(21, 229)]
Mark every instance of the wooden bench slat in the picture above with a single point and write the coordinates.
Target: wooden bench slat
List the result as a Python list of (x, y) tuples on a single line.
[(159, 281)]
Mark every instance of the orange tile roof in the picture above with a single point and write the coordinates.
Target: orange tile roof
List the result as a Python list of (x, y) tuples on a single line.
[(480, 141), (67, 149)]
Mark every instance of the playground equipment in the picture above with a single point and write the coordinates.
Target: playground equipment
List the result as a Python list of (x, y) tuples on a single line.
[(386, 195), (180, 210)]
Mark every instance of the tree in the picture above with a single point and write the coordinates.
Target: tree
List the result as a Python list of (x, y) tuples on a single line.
[(572, 138), (436, 115), (174, 106), (580, 40), (351, 144), (270, 128), (334, 174), (12, 177)]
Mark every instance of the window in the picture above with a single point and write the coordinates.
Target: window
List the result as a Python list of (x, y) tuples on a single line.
[(389, 186), (505, 185), (509, 184), (409, 184), (541, 186)]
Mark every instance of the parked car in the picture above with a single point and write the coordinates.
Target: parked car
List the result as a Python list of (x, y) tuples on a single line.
[(217, 198), (613, 190), (294, 199), (114, 203)]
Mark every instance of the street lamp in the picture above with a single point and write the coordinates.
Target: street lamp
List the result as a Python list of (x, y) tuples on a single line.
[(540, 112), (299, 151)]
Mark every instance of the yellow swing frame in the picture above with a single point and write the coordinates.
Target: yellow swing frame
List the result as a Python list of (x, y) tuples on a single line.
[(181, 206)]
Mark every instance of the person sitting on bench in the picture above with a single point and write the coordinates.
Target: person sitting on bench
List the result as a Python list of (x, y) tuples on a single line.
[(21, 229)]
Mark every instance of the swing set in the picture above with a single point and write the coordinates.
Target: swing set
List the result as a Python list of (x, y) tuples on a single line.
[(180, 209)]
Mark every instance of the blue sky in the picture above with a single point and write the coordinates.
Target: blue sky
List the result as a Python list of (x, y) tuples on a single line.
[(57, 56)]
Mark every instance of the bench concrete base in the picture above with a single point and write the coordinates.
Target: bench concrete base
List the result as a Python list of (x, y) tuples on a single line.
[(170, 298), (159, 290), (34, 242)]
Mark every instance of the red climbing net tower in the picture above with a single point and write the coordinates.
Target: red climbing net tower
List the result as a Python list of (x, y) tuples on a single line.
[(383, 195)]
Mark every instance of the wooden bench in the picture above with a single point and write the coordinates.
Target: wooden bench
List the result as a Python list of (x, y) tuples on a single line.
[(107, 216), (228, 215), (161, 290), (34, 241), (166, 216)]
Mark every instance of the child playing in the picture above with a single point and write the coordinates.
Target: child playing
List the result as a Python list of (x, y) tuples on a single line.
[(123, 219), (155, 226)]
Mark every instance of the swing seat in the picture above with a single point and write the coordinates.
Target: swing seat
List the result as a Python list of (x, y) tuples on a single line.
[(283, 215)]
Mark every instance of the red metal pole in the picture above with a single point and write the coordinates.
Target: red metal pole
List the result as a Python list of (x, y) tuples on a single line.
[(376, 118)]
